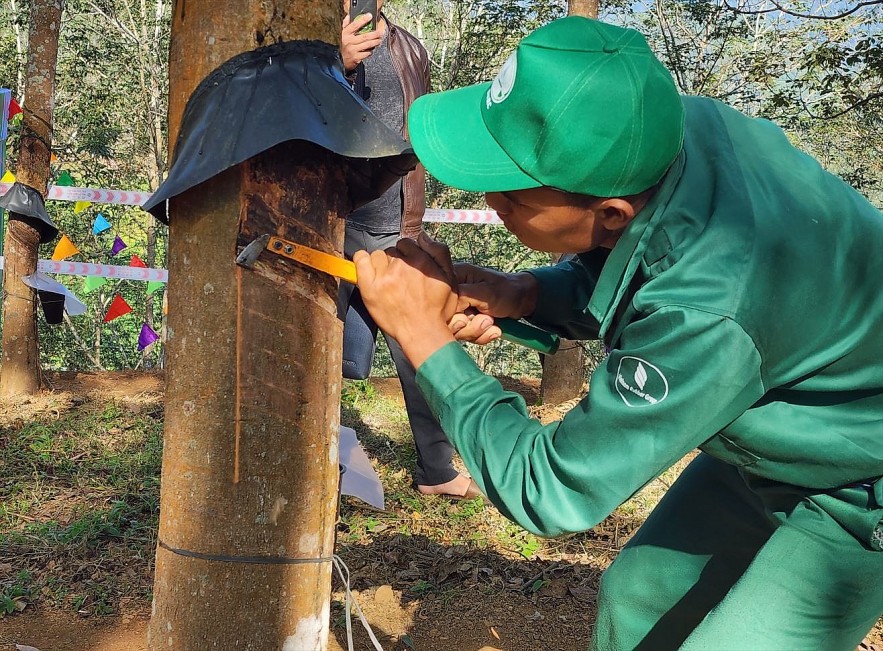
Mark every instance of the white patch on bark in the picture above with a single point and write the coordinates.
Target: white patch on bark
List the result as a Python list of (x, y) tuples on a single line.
[(308, 542), (278, 507), (307, 636)]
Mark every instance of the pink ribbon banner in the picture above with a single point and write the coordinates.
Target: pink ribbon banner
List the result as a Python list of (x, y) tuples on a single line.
[(449, 216), (102, 270), (136, 198), (95, 195)]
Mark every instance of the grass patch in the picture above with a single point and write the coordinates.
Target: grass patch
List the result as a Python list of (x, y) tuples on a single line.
[(79, 499), (79, 502)]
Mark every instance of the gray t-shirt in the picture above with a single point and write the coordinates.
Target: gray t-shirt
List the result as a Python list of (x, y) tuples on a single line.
[(384, 96)]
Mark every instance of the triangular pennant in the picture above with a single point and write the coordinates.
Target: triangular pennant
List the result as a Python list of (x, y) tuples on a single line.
[(136, 262), (80, 206), (91, 283), (64, 249), (154, 285), (14, 109), (100, 224), (118, 245), (8, 177), (147, 337), (118, 308), (52, 157), (64, 179)]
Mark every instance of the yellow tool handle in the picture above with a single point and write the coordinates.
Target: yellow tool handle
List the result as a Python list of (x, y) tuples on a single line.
[(330, 264), (512, 330)]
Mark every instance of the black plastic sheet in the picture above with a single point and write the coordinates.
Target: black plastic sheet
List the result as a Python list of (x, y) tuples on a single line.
[(26, 204), (287, 91), (53, 306)]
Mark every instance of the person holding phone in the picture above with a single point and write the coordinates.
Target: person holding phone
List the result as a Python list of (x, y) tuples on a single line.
[(736, 284), (389, 69)]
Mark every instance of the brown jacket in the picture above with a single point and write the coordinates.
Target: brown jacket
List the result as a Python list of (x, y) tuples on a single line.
[(412, 67)]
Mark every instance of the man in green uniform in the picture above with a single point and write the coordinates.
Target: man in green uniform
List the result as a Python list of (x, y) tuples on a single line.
[(738, 287)]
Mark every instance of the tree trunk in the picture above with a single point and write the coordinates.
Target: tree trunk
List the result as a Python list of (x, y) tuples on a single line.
[(587, 8), (565, 372), (20, 373), (250, 463)]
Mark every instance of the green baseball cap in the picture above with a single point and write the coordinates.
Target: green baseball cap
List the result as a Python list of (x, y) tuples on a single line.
[(581, 106)]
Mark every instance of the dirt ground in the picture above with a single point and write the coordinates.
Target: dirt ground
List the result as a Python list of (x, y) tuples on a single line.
[(472, 617)]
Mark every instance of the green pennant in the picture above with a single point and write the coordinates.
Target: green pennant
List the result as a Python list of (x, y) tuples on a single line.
[(64, 179), (91, 283), (154, 285)]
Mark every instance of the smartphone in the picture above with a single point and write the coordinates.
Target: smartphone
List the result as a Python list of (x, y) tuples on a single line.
[(359, 7)]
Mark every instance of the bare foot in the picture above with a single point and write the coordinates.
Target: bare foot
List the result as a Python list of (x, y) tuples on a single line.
[(459, 486)]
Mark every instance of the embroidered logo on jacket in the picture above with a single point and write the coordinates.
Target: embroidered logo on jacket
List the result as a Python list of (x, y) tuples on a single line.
[(639, 383)]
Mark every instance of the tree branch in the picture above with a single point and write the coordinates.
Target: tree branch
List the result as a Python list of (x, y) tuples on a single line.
[(778, 7)]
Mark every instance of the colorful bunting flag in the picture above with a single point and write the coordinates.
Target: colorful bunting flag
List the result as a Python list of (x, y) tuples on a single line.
[(137, 262), (64, 179), (80, 206), (14, 109), (154, 285), (118, 245), (91, 283), (52, 157), (8, 177), (147, 337), (100, 224), (118, 308), (64, 249)]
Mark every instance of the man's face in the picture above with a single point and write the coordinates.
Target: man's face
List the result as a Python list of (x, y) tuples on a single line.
[(545, 220)]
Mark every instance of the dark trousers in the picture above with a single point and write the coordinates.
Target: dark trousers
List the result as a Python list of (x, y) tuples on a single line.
[(434, 452)]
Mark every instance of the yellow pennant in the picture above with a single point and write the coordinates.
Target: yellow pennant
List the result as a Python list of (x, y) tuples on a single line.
[(80, 206), (64, 249), (9, 177)]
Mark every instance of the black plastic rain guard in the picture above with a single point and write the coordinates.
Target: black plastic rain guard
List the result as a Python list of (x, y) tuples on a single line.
[(26, 204), (294, 90), (53, 306)]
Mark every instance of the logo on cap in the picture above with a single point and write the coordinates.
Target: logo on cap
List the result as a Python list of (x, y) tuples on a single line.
[(502, 84), (639, 383)]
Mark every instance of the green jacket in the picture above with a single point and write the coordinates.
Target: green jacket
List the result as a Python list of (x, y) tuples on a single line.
[(744, 313)]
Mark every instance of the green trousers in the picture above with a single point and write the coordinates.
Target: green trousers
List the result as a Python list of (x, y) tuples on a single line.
[(719, 566)]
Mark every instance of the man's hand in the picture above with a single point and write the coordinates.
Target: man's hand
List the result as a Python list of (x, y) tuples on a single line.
[(494, 292), (355, 47), (480, 293), (409, 296)]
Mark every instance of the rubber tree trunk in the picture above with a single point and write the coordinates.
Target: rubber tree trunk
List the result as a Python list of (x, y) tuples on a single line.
[(250, 463), (565, 372), (20, 372), (587, 8)]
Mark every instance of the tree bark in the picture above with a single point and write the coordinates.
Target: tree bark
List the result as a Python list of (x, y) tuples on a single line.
[(20, 373), (565, 372), (587, 8), (250, 463)]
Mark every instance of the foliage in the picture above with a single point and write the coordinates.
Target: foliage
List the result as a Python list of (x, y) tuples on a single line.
[(111, 88)]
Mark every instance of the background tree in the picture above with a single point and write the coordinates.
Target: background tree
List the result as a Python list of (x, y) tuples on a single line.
[(20, 372)]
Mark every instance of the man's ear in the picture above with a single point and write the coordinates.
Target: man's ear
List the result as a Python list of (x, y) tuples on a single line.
[(616, 213)]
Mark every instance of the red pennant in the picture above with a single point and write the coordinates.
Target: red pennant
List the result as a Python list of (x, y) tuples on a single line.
[(118, 308), (136, 262), (14, 109)]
